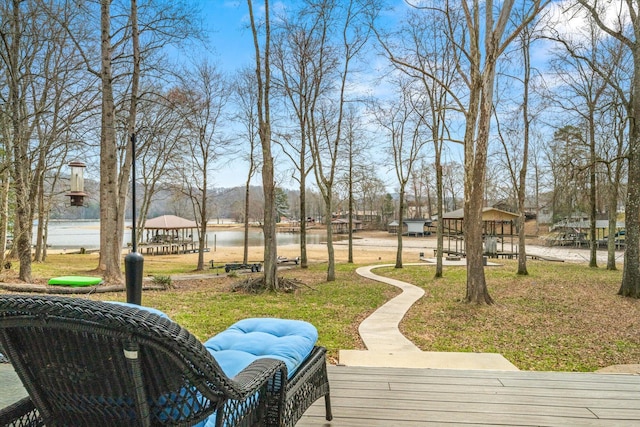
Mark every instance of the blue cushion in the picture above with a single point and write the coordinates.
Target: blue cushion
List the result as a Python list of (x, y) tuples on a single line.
[(247, 340)]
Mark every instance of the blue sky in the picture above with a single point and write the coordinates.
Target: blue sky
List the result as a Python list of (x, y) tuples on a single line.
[(231, 41), (229, 35)]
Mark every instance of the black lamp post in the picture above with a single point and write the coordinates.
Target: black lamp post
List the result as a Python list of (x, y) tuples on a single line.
[(133, 261)]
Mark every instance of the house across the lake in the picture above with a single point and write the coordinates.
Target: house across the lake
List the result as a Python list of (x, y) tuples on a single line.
[(414, 227)]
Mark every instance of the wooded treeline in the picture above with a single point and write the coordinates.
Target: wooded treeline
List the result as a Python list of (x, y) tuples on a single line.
[(357, 105)]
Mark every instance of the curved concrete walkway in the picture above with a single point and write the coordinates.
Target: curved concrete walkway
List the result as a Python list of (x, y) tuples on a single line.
[(380, 330), (387, 347)]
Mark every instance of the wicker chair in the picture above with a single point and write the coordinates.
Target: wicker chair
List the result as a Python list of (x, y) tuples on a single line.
[(100, 364)]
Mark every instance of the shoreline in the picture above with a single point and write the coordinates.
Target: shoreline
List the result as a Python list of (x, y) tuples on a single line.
[(368, 246)]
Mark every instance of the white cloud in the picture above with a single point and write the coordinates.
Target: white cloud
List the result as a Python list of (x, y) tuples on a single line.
[(572, 21)]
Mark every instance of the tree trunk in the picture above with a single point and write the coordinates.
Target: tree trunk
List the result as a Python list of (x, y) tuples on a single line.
[(593, 243), (21, 164), (5, 183), (4, 210), (611, 241), (331, 267), (439, 210), (269, 228), (245, 252), (350, 227), (522, 178), (202, 234), (42, 223), (630, 286), (304, 262), (263, 77), (521, 221), (477, 291), (400, 228), (476, 147), (110, 241), (614, 193)]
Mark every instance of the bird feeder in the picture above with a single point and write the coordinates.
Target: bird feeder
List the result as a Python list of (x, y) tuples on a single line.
[(77, 193)]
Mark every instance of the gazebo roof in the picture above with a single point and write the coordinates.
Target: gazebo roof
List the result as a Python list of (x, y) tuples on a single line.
[(169, 222)]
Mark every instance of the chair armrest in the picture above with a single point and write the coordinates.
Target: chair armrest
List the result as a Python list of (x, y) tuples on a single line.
[(256, 388), (259, 372), (20, 413)]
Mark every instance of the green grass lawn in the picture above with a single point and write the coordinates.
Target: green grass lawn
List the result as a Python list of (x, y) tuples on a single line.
[(561, 317)]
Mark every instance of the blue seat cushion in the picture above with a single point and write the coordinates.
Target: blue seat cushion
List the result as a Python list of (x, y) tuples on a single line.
[(247, 340)]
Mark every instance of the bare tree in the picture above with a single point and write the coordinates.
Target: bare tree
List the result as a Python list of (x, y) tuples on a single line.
[(478, 44), (110, 247), (582, 93), (480, 79), (525, 42), (5, 179), (161, 131), (327, 122), (356, 149), (434, 53), (516, 154), (567, 158), (453, 184), (53, 98), (205, 94), (245, 96), (300, 57), (367, 192), (625, 27), (127, 50), (35, 58), (14, 65), (263, 80), (402, 121), (615, 165)]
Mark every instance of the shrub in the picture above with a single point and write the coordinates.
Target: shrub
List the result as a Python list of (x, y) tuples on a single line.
[(164, 281)]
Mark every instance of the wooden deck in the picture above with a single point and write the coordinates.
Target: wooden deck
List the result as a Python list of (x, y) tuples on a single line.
[(417, 397), (399, 397)]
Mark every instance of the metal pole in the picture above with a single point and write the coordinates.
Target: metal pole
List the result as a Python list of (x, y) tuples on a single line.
[(134, 241), (133, 261)]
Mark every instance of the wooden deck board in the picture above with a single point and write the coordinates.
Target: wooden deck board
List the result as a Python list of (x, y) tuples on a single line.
[(417, 397), (458, 398)]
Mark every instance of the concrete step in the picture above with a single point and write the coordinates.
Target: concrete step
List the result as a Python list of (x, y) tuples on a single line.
[(425, 359)]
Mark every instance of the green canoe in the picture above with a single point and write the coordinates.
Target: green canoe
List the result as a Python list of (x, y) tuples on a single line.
[(75, 281)]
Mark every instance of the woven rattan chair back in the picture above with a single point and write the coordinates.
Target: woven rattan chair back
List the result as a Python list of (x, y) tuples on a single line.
[(101, 364)]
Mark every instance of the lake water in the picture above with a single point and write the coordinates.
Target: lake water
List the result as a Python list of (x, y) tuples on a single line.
[(86, 234)]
